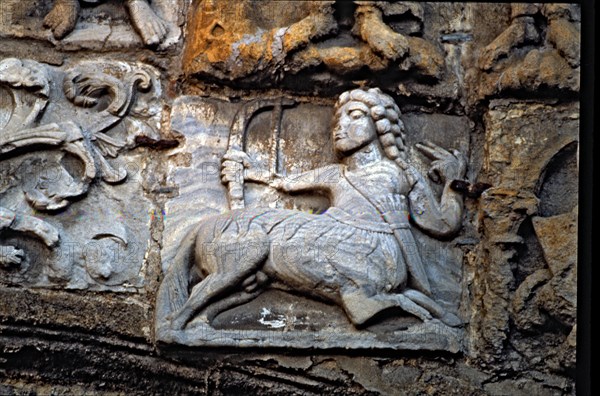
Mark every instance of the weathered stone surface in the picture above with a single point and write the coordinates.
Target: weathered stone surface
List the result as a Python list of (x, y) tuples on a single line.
[(525, 158), (558, 235), (546, 300), (523, 137), (538, 51), (102, 27), (109, 316), (501, 213), (328, 46)]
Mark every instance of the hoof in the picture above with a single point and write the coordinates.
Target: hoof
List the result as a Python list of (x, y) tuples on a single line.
[(451, 320)]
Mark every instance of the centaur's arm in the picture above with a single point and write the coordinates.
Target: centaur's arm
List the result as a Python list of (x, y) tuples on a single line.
[(237, 165), (322, 179), (444, 217), (440, 219)]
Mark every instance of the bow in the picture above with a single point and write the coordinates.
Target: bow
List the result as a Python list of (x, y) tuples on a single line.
[(237, 140)]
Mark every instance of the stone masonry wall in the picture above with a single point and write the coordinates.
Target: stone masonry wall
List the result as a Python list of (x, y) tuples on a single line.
[(110, 141)]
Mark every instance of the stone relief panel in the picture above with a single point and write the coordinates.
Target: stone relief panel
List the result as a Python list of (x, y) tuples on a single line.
[(70, 169), (306, 242), (104, 25)]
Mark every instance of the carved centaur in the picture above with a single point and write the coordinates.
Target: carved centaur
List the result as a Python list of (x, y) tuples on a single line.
[(368, 261)]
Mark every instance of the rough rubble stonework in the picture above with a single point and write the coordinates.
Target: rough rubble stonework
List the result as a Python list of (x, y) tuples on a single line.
[(283, 197)]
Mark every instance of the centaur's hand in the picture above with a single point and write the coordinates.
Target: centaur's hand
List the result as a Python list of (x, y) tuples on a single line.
[(232, 166), (445, 165), (278, 183), (237, 167)]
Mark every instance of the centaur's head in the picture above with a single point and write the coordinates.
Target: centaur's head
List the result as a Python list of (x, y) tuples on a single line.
[(361, 117)]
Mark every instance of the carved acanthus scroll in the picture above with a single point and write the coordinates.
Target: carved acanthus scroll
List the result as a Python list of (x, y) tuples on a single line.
[(120, 82), (111, 108)]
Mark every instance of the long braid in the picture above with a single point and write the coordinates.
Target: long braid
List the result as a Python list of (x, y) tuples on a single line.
[(386, 115)]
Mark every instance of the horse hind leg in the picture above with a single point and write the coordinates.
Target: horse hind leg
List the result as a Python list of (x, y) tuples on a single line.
[(408, 305), (252, 287), (228, 302), (232, 265)]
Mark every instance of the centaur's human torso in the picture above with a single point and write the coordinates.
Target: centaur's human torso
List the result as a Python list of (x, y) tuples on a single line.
[(350, 242)]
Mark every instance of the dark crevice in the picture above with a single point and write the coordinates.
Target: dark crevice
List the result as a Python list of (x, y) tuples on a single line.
[(344, 13), (530, 254), (558, 184)]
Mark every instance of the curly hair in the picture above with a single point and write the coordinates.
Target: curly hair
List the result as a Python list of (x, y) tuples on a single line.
[(386, 116)]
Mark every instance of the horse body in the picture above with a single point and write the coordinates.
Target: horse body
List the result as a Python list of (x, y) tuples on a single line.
[(309, 253), (237, 255)]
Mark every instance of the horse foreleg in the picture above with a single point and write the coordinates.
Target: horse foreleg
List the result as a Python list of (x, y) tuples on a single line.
[(418, 304), (436, 310), (407, 305), (361, 306)]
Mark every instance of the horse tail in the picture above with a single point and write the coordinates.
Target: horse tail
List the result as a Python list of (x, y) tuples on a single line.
[(174, 288)]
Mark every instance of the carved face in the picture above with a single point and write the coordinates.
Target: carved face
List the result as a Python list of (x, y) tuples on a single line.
[(354, 128)]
